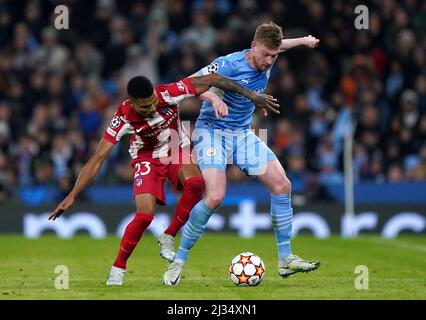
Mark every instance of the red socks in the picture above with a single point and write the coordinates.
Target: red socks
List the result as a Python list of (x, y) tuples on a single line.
[(131, 237), (192, 191)]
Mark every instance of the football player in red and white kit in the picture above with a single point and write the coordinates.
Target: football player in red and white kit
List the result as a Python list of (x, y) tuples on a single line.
[(160, 149)]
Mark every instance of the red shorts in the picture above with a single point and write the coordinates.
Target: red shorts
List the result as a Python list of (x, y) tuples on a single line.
[(149, 176)]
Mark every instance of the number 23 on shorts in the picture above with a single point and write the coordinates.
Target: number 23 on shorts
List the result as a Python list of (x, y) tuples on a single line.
[(142, 168)]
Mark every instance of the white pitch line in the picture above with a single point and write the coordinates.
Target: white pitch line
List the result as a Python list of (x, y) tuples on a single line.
[(402, 244)]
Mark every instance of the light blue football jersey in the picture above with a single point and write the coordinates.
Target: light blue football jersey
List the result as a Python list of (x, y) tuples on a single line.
[(236, 67)]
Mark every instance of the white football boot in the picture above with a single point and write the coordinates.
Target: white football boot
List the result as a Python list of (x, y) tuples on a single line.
[(116, 276), (172, 276), (293, 264), (167, 244)]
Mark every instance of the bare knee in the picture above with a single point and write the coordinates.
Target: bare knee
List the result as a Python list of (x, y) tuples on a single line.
[(281, 186), (215, 184), (146, 208), (214, 200), (146, 203)]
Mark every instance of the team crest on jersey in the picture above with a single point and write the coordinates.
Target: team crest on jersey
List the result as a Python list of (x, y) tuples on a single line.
[(210, 152), (181, 86), (139, 181), (213, 68), (115, 122)]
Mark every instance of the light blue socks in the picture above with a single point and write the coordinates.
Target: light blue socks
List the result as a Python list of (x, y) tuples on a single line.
[(193, 229), (282, 221)]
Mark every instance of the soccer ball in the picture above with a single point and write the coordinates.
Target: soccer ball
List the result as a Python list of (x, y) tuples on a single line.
[(246, 269)]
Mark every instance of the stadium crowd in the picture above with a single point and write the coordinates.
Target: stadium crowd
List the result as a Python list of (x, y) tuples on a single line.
[(59, 88)]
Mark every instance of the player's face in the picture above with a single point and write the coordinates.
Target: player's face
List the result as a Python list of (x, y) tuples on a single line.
[(263, 57), (146, 107)]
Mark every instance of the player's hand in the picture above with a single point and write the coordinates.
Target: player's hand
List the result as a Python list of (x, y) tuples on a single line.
[(220, 108), (64, 205), (311, 41), (266, 103)]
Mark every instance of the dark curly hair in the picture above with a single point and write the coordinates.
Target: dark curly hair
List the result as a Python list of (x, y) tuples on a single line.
[(139, 87)]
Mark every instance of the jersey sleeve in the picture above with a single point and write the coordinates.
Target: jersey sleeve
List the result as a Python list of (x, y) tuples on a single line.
[(117, 128), (175, 92), (220, 65)]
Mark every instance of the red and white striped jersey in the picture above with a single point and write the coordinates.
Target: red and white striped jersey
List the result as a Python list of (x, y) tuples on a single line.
[(154, 137)]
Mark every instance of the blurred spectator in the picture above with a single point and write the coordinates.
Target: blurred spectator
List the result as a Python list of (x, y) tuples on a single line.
[(61, 156), (5, 131), (200, 35), (420, 88), (89, 59), (33, 17), (90, 117), (43, 171), (177, 11), (7, 178), (51, 53), (395, 80), (415, 169), (395, 173), (139, 61), (58, 90), (368, 130), (245, 19), (409, 109)]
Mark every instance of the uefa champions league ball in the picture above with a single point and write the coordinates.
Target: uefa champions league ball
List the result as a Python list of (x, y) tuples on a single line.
[(247, 269)]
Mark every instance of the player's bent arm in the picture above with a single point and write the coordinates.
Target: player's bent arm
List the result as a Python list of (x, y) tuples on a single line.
[(206, 96), (220, 107), (209, 96), (203, 83), (308, 41), (92, 167)]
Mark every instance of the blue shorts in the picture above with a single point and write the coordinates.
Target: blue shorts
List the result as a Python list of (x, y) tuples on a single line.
[(216, 148)]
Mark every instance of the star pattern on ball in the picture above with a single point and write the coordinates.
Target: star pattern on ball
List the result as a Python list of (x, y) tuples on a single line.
[(246, 269), (259, 271), (244, 260), (243, 278), (230, 268)]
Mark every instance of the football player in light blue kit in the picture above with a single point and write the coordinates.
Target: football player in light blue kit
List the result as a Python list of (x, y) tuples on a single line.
[(219, 141)]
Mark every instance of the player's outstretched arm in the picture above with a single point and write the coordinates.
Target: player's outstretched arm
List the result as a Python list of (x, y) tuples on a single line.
[(89, 171), (308, 41), (261, 101)]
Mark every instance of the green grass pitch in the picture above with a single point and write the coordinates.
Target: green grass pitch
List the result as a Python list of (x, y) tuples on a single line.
[(396, 269)]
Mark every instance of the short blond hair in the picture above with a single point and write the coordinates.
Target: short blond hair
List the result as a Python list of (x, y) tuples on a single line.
[(269, 34)]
